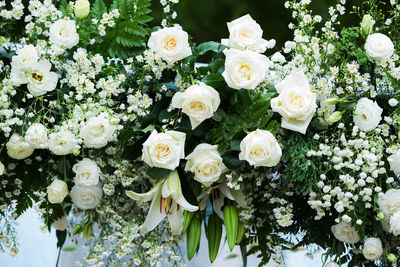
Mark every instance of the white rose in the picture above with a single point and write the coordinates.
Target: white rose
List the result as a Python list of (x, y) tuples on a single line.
[(206, 164), (57, 191), (395, 223), (60, 224), (199, 102), (82, 8), (18, 148), (245, 33), (97, 131), (245, 69), (171, 43), (345, 232), (379, 46), (86, 197), (394, 162), (62, 142), (40, 79), (367, 114), (296, 102), (372, 248), (87, 172), (393, 102), (25, 58), (332, 264), (63, 33), (260, 148), (36, 135), (389, 203), (2, 168), (164, 150)]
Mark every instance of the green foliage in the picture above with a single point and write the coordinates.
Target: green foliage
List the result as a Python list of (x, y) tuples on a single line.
[(300, 170), (127, 37), (244, 112), (351, 47)]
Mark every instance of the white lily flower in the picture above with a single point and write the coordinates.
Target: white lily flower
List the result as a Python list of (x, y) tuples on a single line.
[(167, 201), (218, 195)]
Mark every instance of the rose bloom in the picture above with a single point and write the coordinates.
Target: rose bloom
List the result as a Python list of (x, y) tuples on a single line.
[(379, 46), (97, 131), (63, 33), (87, 172), (171, 43), (245, 33), (206, 163), (245, 69), (2, 168), (296, 102), (394, 162), (25, 58), (57, 191), (372, 248), (86, 197), (18, 148), (395, 224), (199, 102), (367, 114), (62, 142), (389, 203), (345, 232), (164, 150), (41, 80), (36, 135), (260, 148), (82, 9)]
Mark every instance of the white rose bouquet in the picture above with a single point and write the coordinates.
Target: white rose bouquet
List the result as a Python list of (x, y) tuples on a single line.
[(101, 114)]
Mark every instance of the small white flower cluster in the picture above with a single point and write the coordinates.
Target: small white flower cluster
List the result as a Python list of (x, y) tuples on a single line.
[(360, 160), (40, 18), (139, 104), (284, 213), (152, 63), (16, 12), (106, 21), (8, 239)]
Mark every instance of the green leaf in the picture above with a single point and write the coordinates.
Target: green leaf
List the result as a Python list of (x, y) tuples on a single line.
[(193, 237), (61, 236), (235, 145), (158, 173), (186, 189), (87, 231), (243, 250), (208, 46), (231, 221), (187, 218), (69, 249), (214, 80), (214, 234), (231, 159)]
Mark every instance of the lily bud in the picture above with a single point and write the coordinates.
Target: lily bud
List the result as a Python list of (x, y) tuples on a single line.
[(335, 117), (332, 101), (82, 9), (392, 258), (367, 25)]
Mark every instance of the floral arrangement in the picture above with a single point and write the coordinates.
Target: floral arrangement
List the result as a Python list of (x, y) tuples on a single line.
[(133, 137)]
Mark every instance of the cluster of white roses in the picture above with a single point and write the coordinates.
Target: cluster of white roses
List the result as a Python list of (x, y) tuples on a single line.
[(86, 193)]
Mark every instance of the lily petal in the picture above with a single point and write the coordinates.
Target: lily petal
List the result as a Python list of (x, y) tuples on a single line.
[(171, 185), (239, 197), (175, 219), (217, 205), (144, 196), (155, 215)]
